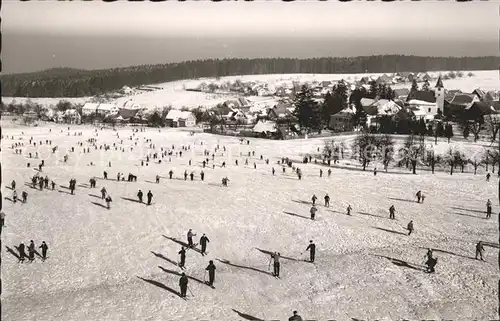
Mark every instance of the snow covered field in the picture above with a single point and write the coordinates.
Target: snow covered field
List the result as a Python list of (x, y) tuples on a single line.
[(119, 264), (174, 93)]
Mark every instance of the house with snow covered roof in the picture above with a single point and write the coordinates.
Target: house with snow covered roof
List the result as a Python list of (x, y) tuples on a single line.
[(107, 109), (89, 109), (178, 118)]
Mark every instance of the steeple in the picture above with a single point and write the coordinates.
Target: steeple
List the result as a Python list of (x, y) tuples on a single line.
[(439, 83)]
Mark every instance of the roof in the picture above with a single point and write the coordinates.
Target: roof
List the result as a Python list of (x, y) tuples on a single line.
[(127, 113), (106, 107), (462, 99), (479, 92), (92, 106), (401, 92), (439, 83), (365, 102), (427, 96), (483, 107), (387, 107), (491, 96), (421, 102), (404, 74), (175, 114), (265, 126)]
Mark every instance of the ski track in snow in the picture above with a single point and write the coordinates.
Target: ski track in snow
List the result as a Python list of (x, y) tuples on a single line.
[(97, 257)]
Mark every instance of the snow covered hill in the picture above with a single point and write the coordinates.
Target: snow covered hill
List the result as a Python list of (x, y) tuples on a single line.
[(120, 264)]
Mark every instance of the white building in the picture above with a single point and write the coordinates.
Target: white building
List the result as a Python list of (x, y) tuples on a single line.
[(178, 118), (89, 108), (107, 109)]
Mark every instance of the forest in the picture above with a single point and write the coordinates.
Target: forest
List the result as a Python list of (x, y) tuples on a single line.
[(68, 82)]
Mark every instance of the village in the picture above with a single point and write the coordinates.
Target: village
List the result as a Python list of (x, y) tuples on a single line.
[(261, 109)]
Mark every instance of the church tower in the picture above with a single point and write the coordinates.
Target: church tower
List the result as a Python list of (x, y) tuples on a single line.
[(439, 94)]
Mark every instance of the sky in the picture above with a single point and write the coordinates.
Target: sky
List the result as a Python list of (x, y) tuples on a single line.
[(92, 35)]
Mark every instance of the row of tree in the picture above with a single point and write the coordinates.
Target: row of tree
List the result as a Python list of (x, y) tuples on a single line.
[(368, 147), (67, 82)]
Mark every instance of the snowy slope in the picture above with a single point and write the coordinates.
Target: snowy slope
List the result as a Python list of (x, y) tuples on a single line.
[(116, 264)]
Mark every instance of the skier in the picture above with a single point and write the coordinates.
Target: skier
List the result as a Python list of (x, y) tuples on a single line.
[(320, 173), (327, 200), (2, 220), (276, 258), (202, 175), (431, 263), (105, 174), (157, 179), (14, 196), (488, 177), (103, 193), (329, 172), (44, 248), (312, 251), (375, 171), (429, 253), (190, 235), (182, 253), (108, 201), (13, 185), (203, 241), (313, 199), (295, 317), (488, 209), (410, 227), (22, 254), (313, 211), (273, 171), (53, 184), (211, 273), (139, 195), (479, 250), (392, 210), (24, 196), (170, 173), (150, 197), (185, 175), (419, 196), (183, 284), (192, 175), (31, 251), (349, 209)]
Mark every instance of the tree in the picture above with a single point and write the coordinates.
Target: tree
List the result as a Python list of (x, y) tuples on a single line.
[(475, 128), (431, 159), (365, 148), (465, 130), (412, 152), (156, 120), (449, 159), (373, 92), (307, 111), (476, 161), (492, 124), (448, 132), (386, 145), (426, 86), (470, 74), (63, 105), (198, 114)]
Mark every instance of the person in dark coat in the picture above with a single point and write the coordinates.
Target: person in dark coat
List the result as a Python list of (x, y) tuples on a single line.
[(202, 175), (22, 253), (170, 173), (182, 253), (327, 200), (31, 251), (139, 195), (44, 248), (211, 273), (276, 265), (313, 199), (150, 197), (479, 250), (488, 209), (410, 227), (203, 241), (24, 196), (392, 210), (190, 235), (295, 317), (431, 263), (312, 251), (183, 284), (192, 175)]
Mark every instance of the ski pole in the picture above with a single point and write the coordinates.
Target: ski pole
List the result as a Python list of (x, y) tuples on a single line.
[(190, 291)]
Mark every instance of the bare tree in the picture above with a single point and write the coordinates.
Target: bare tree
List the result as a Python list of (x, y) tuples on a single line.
[(492, 124), (364, 148), (475, 129), (412, 152)]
